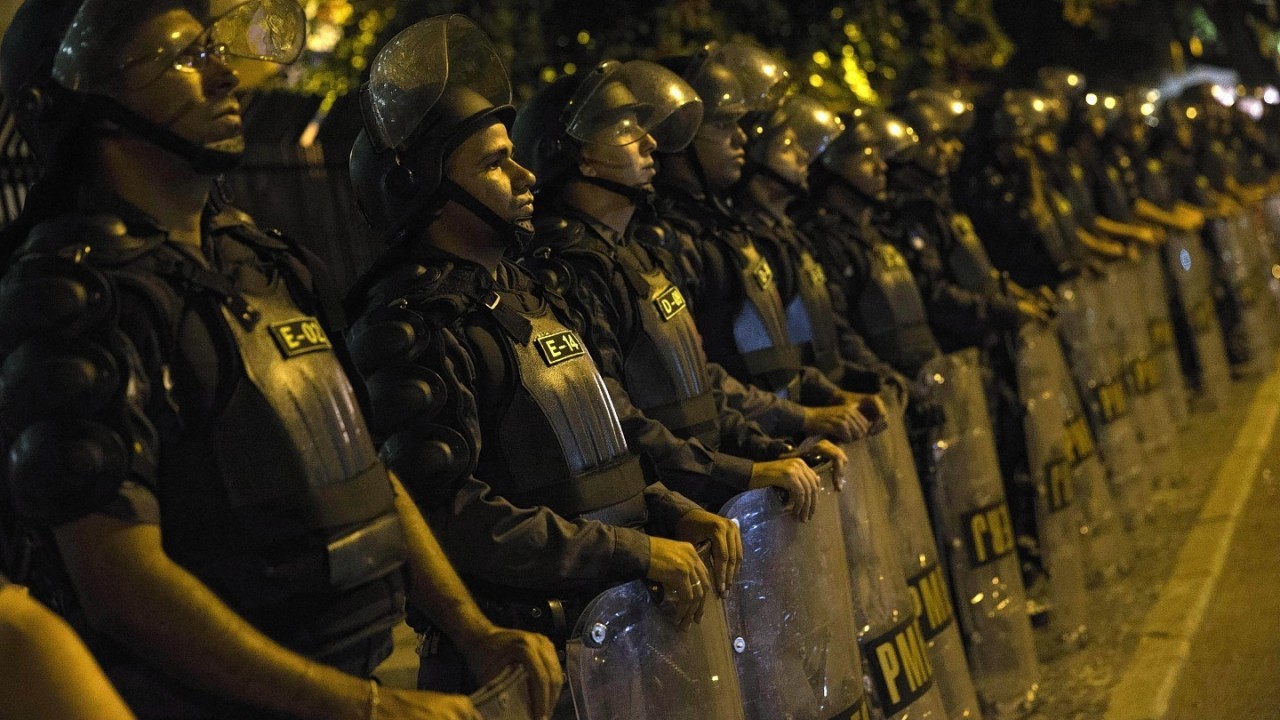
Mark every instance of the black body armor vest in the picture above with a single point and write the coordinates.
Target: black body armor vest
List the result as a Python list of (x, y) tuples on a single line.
[(892, 311), (558, 440)]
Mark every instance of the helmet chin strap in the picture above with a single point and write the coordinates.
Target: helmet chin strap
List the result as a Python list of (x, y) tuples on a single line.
[(515, 235), (637, 195), (204, 159)]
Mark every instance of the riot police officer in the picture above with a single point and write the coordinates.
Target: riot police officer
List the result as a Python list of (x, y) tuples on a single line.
[(176, 413), (729, 285), (968, 305), (591, 143), (781, 145), (849, 190), (488, 402)]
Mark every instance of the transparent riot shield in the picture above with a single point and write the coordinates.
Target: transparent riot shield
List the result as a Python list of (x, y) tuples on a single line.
[(1247, 323), (898, 666), (917, 552), (1144, 378), (1108, 546), (1086, 332), (1155, 295), (1267, 236), (1058, 519), (974, 526), (790, 611), (628, 661), (1192, 273)]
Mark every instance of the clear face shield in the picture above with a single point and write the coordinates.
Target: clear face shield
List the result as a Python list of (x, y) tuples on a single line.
[(101, 50), (422, 64), (620, 103), (763, 78), (722, 96)]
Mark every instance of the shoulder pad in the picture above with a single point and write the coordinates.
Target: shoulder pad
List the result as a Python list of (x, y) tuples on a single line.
[(230, 216), (385, 336), (444, 289), (98, 239), (555, 231), (240, 224)]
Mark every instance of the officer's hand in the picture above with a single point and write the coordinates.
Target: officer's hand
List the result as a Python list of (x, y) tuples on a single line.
[(1032, 312), (675, 566), (836, 455), (423, 705), (699, 526), (491, 654), (839, 422), (794, 476), (877, 415)]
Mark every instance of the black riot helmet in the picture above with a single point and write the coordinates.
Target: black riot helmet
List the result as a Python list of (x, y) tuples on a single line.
[(858, 156), (1102, 110), (435, 84), (1065, 84), (941, 118), (1022, 115), (615, 104), (799, 124), (715, 83), (763, 78), (724, 104), (99, 57)]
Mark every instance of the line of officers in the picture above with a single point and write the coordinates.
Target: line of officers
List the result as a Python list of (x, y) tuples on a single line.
[(716, 396)]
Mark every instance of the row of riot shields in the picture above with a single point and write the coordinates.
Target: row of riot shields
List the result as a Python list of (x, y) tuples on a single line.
[(971, 516), (821, 622), (903, 599), (1086, 314), (1133, 314), (1242, 264), (1192, 282), (782, 644)]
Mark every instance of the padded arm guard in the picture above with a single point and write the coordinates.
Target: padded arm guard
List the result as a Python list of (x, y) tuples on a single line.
[(72, 388)]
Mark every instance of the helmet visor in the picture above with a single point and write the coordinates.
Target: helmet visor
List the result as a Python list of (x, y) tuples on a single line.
[(90, 58), (411, 73), (763, 77), (716, 84), (677, 107), (605, 111), (814, 125)]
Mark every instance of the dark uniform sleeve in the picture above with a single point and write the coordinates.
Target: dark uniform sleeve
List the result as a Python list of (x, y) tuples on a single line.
[(485, 535), (776, 416), (681, 463)]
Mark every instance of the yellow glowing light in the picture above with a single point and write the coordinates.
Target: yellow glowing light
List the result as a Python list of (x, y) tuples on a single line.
[(570, 68), (1153, 95), (1073, 80), (815, 80), (821, 59), (958, 107), (847, 51), (1091, 99), (1147, 108), (837, 13), (548, 74), (1109, 103), (584, 37), (1038, 104), (1191, 113), (822, 116), (1197, 47), (896, 129)]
